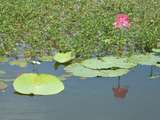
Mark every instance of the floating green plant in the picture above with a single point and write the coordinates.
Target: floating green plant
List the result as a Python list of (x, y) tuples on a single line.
[(38, 84), (108, 62), (64, 57), (156, 50), (77, 69), (145, 59)]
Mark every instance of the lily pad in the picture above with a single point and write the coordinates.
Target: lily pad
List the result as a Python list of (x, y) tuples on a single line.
[(38, 84), (108, 62), (156, 50), (77, 69), (3, 85), (113, 73), (46, 58), (64, 57), (20, 63), (145, 59)]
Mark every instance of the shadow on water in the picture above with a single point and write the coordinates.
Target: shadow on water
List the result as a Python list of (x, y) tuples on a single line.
[(130, 97)]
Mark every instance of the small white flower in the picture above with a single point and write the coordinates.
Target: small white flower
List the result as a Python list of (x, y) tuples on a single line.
[(36, 62)]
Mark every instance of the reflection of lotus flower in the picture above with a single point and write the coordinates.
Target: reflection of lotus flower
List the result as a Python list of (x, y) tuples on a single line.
[(120, 92), (122, 21)]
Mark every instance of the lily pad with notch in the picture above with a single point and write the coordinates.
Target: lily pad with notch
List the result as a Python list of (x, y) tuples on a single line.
[(38, 84)]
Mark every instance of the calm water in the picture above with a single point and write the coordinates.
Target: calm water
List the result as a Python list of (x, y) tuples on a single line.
[(85, 99)]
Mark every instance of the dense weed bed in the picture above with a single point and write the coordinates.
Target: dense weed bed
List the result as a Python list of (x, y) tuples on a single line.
[(82, 26)]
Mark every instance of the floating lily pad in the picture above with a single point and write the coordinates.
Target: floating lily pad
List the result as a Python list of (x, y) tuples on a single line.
[(20, 63), (38, 84), (64, 57), (113, 73), (3, 85), (77, 69), (108, 62), (46, 58), (145, 59), (156, 50)]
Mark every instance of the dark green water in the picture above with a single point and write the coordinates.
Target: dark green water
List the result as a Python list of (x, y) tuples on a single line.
[(89, 99)]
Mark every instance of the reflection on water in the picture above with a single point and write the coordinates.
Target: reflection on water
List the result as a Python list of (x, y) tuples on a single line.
[(87, 99), (119, 90)]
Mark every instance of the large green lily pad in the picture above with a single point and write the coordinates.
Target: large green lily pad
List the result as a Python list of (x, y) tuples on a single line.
[(108, 62), (20, 63), (77, 69), (64, 57), (145, 59), (38, 84)]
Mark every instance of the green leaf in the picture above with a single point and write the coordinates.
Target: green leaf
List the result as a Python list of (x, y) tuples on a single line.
[(64, 57), (113, 73), (20, 63), (38, 84), (156, 50), (77, 69), (145, 59), (108, 62)]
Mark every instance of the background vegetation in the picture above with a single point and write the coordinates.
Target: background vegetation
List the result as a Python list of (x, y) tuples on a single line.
[(82, 26)]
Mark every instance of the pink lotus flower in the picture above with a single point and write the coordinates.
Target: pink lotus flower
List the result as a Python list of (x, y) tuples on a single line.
[(121, 21)]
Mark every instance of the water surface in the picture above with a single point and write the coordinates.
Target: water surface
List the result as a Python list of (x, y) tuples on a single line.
[(85, 99)]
